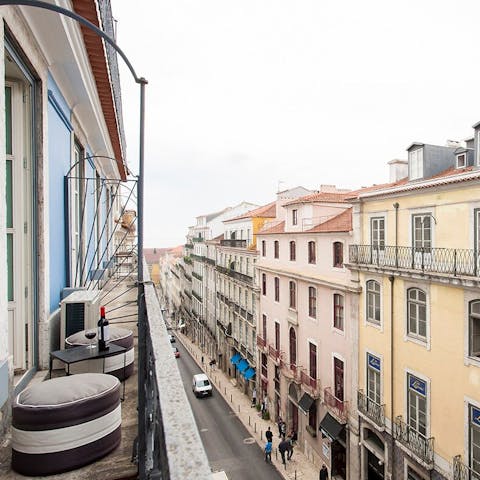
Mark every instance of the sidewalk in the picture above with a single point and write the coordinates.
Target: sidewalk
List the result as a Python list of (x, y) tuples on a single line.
[(297, 468)]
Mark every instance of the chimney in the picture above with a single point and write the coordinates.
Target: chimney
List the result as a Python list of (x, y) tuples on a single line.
[(398, 169)]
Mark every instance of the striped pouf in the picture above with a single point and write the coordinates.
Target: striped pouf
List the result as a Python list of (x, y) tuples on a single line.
[(65, 423)]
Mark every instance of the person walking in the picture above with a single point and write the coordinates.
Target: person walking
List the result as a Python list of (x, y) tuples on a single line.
[(282, 448), (290, 448), (323, 473), (268, 451), (279, 424), (269, 435), (283, 429), (254, 397)]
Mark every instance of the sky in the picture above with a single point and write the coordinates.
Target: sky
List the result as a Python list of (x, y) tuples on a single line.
[(246, 98)]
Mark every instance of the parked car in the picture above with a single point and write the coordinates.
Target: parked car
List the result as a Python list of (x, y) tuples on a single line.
[(172, 338), (201, 385), (176, 352)]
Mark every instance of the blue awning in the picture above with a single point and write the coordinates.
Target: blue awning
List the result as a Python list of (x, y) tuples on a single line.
[(249, 373), (235, 359), (243, 365)]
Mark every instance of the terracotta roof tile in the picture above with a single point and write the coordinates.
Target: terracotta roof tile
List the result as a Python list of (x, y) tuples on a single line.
[(267, 211), (340, 223), (321, 197)]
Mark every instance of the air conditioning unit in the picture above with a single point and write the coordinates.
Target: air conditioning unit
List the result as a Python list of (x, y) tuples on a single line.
[(79, 311)]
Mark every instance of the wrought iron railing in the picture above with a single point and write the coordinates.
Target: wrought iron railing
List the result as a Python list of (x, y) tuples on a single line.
[(273, 352), (334, 405), (261, 342), (462, 471), (372, 410), (450, 261), (197, 276), (307, 380), (414, 441), (233, 243), (234, 274)]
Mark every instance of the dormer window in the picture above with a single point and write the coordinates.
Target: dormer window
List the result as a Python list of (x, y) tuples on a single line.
[(461, 160), (294, 217), (416, 163)]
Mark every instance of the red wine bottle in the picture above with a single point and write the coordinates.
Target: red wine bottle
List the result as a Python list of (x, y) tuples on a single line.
[(103, 331)]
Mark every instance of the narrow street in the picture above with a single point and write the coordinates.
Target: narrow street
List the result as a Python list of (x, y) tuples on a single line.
[(228, 444)]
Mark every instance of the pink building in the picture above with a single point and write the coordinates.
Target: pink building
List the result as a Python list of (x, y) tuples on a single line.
[(306, 336)]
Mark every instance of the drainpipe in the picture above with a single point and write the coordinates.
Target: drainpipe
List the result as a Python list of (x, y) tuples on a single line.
[(391, 278)]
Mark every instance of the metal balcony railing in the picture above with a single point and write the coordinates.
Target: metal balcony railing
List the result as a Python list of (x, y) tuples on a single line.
[(462, 471), (334, 405), (233, 243), (370, 409), (261, 342), (307, 380), (160, 411), (415, 442), (273, 353), (449, 261), (234, 274), (197, 276)]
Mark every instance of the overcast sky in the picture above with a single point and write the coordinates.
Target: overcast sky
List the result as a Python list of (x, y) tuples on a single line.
[(245, 94)]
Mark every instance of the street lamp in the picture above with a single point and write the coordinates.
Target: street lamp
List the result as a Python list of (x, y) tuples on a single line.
[(140, 185)]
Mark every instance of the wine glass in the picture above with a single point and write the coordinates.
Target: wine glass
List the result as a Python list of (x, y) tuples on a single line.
[(90, 334)]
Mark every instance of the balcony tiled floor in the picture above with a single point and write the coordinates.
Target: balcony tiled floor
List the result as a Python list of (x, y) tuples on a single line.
[(117, 465)]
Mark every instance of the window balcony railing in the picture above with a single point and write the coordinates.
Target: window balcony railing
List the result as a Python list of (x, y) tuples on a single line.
[(197, 296), (160, 412), (198, 239), (234, 274), (337, 407), (197, 276), (236, 243), (372, 410), (415, 442), (462, 471), (273, 353), (261, 342), (307, 380), (448, 261)]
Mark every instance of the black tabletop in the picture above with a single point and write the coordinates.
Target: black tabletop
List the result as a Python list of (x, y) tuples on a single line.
[(77, 354)]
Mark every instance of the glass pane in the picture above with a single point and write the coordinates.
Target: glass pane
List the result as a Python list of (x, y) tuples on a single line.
[(8, 120), (10, 291), (9, 194)]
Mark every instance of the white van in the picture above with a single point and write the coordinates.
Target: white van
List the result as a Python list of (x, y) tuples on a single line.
[(201, 385)]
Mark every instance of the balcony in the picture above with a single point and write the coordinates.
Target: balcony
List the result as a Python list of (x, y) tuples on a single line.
[(414, 442), (261, 342), (273, 353), (187, 260), (233, 243), (336, 407), (234, 274), (197, 296), (462, 471), (446, 261), (291, 371), (197, 239), (373, 411), (189, 245), (197, 276), (309, 382)]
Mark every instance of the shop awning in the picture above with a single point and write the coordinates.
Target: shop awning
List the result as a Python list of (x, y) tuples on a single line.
[(331, 428), (242, 365), (235, 359), (305, 403), (249, 373)]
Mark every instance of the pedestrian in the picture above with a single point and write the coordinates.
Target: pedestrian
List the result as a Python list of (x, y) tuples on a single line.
[(202, 360), (265, 405), (290, 448), (282, 448), (323, 473), (254, 397), (279, 424), (269, 435), (294, 436), (283, 429), (268, 451)]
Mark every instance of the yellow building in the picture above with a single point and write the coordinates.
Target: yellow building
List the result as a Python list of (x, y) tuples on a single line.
[(416, 254)]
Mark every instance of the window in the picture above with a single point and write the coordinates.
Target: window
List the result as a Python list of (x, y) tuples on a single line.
[(264, 366), (462, 160), (476, 215), (264, 284), (417, 405), (264, 326), (422, 232), (338, 311), (312, 302), (294, 217), (275, 249), (474, 328), (474, 440), (377, 232), (277, 336), (293, 251), (373, 301), (292, 288), (416, 163), (293, 346), (338, 380), (277, 289), (311, 253), (312, 348), (338, 254), (417, 313), (264, 248), (312, 417), (373, 379)]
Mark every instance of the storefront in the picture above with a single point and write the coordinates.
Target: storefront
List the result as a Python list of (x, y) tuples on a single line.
[(334, 442)]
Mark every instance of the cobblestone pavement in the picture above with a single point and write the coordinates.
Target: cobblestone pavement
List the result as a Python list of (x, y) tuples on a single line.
[(297, 468)]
